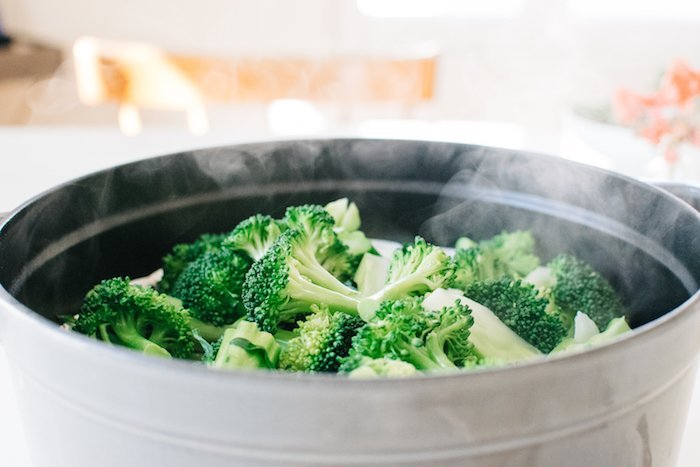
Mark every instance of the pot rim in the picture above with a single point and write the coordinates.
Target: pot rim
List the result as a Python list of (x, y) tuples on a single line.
[(14, 308)]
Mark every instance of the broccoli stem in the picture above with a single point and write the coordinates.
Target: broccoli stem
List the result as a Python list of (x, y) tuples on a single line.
[(128, 334), (436, 346), (104, 334), (404, 287), (207, 331), (420, 359), (308, 265), (283, 336), (309, 292)]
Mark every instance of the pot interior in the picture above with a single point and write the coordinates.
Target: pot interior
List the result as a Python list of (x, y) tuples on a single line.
[(123, 220)]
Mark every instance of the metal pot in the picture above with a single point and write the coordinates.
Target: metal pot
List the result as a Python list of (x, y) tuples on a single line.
[(87, 404)]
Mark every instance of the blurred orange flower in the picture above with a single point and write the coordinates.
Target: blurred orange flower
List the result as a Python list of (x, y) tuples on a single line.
[(668, 117)]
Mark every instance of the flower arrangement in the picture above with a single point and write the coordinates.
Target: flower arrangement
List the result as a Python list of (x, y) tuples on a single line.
[(669, 117)]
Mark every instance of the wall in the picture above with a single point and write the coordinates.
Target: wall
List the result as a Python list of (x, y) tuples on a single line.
[(526, 69)]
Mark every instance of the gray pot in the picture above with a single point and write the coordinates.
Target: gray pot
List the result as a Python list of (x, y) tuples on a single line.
[(88, 404)]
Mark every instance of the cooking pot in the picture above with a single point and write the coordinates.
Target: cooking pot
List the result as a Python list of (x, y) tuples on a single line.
[(86, 403)]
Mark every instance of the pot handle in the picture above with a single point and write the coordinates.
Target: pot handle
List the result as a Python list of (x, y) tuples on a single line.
[(687, 192)]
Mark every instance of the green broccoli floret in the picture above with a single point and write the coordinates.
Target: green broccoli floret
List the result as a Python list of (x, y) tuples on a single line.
[(320, 341), (404, 330), (210, 287), (137, 317), (319, 226), (336, 259), (209, 349), (310, 218), (494, 342), (509, 254), (372, 273), (573, 285), (254, 236), (243, 345), (284, 283), (415, 269), (451, 328), (521, 308), (347, 224), (346, 216), (616, 327), (183, 254), (381, 368)]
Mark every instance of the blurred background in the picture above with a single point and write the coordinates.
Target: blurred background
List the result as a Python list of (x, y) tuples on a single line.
[(86, 84), (545, 75)]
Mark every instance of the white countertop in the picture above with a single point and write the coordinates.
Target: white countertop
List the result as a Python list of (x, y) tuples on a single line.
[(33, 159)]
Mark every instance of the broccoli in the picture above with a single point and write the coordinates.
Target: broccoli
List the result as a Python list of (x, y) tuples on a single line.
[(320, 341), (371, 274), (209, 349), (310, 218), (210, 287), (137, 317), (493, 341), (417, 268), (336, 259), (243, 345), (183, 254), (254, 236), (451, 327), (284, 283), (572, 286), (347, 224), (404, 330), (509, 254), (346, 216), (319, 226), (382, 367), (616, 327), (519, 305)]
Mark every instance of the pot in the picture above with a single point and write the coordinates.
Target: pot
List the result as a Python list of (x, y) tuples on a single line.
[(86, 403)]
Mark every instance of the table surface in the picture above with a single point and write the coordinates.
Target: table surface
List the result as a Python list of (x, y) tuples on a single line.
[(34, 159)]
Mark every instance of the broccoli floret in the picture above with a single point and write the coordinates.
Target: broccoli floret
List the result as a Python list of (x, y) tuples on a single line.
[(616, 327), (574, 286), (519, 305), (451, 328), (254, 236), (210, 287), (319, 226), (415, 269), (509, 254), (320, 341), (183, 254), (371, 274), (137, 317), (310, 218), (347, 224), (404, 330), (285, 282), (209, 349), (336, 259), (493, 341), (346, 216), (382, 367), (243, 345)]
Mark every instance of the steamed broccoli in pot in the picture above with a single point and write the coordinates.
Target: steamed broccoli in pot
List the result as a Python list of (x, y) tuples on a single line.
[(404, 330), (573, 286), (320, 342), (139, 318), (508, 254), (309, 292)]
